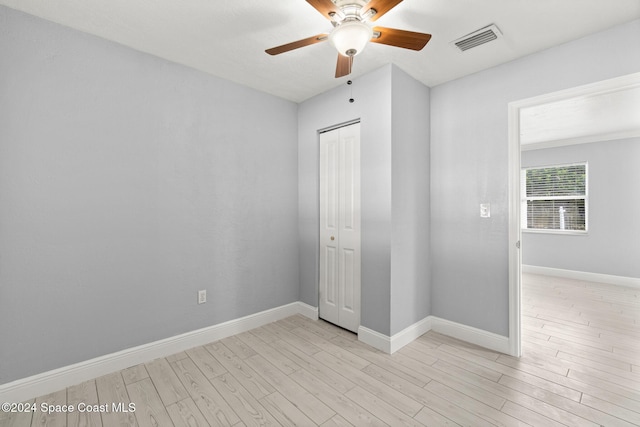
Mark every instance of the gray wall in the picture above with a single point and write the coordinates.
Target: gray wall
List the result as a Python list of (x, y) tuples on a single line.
[(410, 209), (612, 245), (469, 166), (127, 183), (394, 112)]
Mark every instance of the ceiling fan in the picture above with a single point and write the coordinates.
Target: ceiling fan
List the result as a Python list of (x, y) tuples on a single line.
[(351, 31)]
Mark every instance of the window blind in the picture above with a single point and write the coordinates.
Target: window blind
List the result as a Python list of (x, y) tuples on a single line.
[(555, 198)]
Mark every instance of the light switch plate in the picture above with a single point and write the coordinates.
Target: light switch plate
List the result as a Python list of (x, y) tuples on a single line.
[(202, 296), (485, 210)]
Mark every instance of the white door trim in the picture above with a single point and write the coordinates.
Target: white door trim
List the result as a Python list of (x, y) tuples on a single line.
[(514, 150), (338, 126), (515, 261)]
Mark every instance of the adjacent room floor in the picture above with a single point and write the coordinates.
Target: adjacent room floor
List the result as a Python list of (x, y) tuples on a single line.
[(580, 367)]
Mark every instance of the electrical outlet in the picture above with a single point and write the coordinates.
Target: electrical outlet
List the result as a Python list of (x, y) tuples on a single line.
[(202, 297)]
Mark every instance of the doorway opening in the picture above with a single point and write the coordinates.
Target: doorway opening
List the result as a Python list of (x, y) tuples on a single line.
[(574, 116)]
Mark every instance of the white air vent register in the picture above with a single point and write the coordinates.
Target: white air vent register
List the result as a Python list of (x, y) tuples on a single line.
[(478, 37)]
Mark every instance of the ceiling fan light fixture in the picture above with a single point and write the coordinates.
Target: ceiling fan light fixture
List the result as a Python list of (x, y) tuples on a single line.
[(350, 37)]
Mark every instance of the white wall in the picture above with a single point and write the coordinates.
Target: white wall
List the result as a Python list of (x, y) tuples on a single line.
[(127, 183), (612, 244), (469, 166)]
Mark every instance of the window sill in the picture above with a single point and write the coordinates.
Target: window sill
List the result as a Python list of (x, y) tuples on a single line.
[(560, 232)]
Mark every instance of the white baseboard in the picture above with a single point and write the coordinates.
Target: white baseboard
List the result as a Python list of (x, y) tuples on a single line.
[(631, 282), (410, 333), (466, 333), (375, 339), (471, 335), (394, 343), (308, 310), (57, 379)]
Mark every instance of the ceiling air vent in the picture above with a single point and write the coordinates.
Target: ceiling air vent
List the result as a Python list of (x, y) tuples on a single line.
[(481, 36)]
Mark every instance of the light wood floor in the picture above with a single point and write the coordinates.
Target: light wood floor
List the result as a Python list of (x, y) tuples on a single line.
[(581, 367)]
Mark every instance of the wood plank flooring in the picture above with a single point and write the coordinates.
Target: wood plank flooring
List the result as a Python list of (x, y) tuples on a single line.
[(580, 367)]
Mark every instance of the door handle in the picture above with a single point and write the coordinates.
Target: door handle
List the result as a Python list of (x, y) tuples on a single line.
[(333, 238)]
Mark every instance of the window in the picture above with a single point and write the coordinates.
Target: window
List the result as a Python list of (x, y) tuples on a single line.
[(554, 198)]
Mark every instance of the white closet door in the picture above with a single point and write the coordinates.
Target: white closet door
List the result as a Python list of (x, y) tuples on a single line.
[(340, 226)]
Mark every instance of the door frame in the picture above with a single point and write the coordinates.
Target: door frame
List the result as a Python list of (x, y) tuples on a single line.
[(626, 82), (515, 234)]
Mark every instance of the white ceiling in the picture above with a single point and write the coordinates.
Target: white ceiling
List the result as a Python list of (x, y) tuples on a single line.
[(227, 38)]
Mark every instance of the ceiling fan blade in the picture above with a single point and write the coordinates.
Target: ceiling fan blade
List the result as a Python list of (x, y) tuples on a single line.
[(297, 44), (343, 68), (400, 38), (325, 7), (381, 7)]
